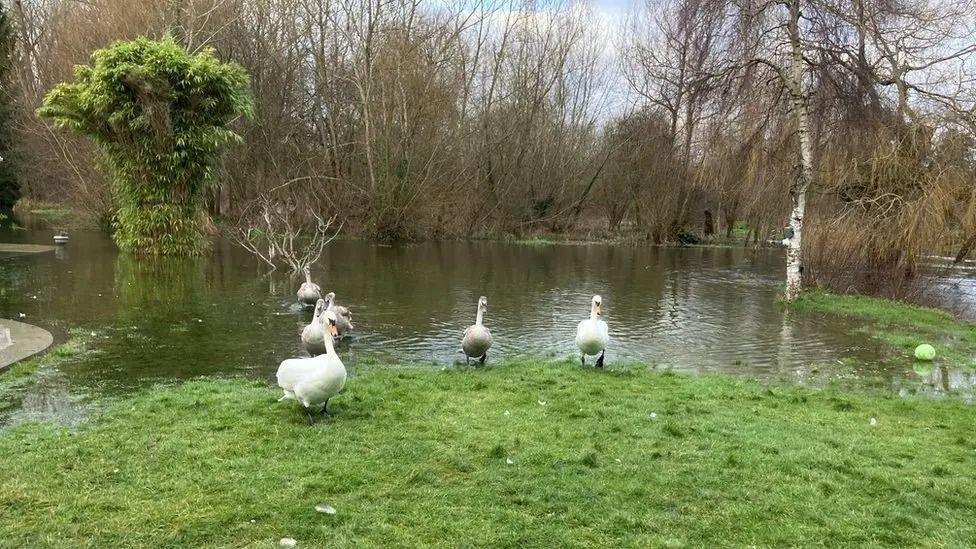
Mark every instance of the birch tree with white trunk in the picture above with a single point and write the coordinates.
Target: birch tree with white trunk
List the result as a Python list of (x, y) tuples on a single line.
[(789, 65), (800, 101)]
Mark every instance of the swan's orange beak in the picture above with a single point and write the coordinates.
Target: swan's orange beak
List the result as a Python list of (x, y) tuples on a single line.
[(333, 330)]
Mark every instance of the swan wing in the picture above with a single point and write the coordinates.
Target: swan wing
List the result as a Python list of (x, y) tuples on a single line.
[(326, 381), (343, 325), (580, 331), (476, 341), (312, 332), (293, 370)]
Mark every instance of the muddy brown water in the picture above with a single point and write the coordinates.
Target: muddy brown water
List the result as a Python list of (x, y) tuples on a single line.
[(691, 309)]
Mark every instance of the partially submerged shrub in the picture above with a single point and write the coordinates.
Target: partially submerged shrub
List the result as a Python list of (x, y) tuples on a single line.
[(160, 117), (279, 230), (888, 201)]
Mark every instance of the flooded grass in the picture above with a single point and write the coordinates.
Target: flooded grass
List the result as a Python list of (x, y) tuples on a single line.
[(25, 376), (903, 326), (76, 345), (525, 453)]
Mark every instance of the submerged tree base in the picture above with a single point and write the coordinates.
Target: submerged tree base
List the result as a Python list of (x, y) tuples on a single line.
[(521, 454)]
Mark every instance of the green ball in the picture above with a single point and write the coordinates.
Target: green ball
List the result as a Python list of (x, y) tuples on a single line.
[(925, 352)]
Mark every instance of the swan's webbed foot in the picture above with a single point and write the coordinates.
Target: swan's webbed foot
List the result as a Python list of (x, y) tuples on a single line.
[(311, 419), (583, 361), (483, 358), (599, 361), (467, 360), (325, 409)]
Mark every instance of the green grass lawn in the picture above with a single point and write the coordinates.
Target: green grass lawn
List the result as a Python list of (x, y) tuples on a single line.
[(902, 325), (520, 454)]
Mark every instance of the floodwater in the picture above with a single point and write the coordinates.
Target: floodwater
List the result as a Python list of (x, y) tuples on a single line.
[(690, 309)]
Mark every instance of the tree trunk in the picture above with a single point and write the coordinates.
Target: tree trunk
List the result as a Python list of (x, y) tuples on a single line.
[(30, 54), (804, 174), (223, 203), (966, 247)]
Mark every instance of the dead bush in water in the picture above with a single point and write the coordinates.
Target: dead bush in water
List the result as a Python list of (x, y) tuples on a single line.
[(285, 231)]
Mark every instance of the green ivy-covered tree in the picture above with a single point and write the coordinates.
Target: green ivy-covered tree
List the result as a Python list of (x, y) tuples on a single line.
[(160, 117)]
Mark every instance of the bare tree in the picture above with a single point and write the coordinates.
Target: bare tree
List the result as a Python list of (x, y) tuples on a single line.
[(278, 234)]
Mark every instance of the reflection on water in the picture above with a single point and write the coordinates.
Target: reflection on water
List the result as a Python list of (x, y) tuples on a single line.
[(956, 294), (697, 309), (53, 403), (938, 380)]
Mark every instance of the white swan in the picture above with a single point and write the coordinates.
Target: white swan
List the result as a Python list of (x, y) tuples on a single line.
[(309, 292), (343, 316), (313, 381), (313, 336), (477, 338), (592, 334)]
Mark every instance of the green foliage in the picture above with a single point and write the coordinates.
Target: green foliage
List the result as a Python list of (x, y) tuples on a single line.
[(9, 186), (160, 117), (469, 457)]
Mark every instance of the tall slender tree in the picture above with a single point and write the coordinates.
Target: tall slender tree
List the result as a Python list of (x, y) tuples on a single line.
[(9, 186)]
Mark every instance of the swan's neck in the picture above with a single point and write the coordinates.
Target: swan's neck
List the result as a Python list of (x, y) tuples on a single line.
[(308, 277), (329, 347), (481, 316), (593, 315)]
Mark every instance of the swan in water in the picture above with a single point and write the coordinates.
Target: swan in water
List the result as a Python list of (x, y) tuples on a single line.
[(309, 293), (313, 381), (592, 334), (343, 316), (313, 336), (477, 338)]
